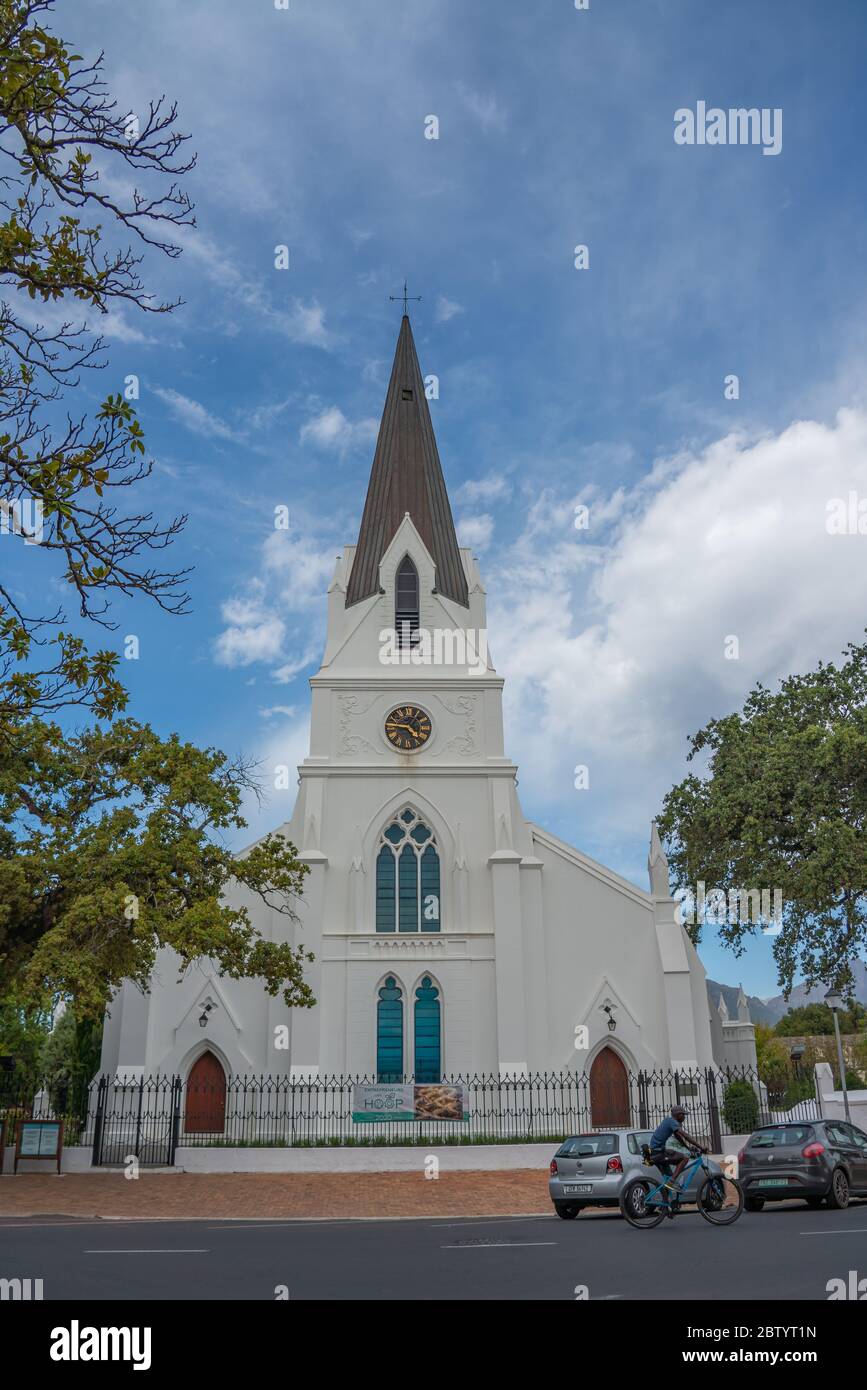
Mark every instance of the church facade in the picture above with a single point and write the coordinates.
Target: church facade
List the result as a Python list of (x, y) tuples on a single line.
[(450, 934)]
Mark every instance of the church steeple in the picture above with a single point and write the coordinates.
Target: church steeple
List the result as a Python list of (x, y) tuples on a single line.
[(406, 477)]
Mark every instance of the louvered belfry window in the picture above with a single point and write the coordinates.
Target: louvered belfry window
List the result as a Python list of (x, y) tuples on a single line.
[(406, 603)]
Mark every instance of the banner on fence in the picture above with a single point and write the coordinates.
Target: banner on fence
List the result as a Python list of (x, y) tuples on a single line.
[(394, 1101)]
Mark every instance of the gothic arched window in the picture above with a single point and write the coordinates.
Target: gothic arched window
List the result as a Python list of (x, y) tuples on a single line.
[(406, 603), (428, 1032), (407, 877), (389, 1032)]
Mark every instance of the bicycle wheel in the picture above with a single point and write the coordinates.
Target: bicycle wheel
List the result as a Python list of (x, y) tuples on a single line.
[(633, 1205), (720, 1199)]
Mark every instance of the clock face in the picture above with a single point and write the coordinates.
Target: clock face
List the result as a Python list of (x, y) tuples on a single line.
[(407, 728)]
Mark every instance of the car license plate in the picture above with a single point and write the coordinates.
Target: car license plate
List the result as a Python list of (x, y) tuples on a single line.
[(577, 1189), (773, 1182)]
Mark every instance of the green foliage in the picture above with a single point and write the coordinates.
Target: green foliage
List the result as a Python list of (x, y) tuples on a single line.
[(814, 1020), (740, 1108), (783, 806), (773, 1061), (68, 160), (111, 847), (860, 1051), (71, 1052), (23, 1031)]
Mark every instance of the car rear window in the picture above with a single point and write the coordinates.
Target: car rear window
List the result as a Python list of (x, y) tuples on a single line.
[(780, 1136), (588, 1146)]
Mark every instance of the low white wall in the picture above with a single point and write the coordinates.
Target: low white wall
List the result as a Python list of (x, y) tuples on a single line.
[(833, 1107), (75, 1159), (831, 1101), (410, 1159)]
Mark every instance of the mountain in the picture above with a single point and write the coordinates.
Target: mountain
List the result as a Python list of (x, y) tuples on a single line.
[(770, 1011)]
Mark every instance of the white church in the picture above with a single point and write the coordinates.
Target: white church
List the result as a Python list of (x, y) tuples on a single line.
[(451, 935)]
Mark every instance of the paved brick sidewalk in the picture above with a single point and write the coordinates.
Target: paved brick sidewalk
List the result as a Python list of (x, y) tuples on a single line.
[(180, 1195)]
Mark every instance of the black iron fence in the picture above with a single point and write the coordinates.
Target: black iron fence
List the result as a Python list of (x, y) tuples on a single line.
[(149, 1118)]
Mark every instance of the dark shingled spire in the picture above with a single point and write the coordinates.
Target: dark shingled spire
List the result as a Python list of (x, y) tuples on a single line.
[(406, 477)]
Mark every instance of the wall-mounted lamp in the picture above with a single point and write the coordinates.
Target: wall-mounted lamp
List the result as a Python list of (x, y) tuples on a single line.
[(609, 1010), (203, 1017)]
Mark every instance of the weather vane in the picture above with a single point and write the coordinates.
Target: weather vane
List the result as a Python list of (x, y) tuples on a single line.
[(405, 297)]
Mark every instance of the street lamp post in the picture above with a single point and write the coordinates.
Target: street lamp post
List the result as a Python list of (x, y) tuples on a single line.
[(834, 1002)]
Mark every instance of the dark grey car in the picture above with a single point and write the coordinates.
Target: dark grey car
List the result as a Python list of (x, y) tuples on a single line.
[(820, 1161)]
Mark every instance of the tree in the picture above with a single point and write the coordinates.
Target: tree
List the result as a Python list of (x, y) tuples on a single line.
[(62, 477), (71, 1053), (740, 1107), (783, 806), (23, 1031), (111, 848), (814, 1020), (773, 1062)]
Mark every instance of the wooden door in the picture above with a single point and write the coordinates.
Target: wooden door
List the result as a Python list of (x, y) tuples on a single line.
[(206, 1097), (609, 1090)]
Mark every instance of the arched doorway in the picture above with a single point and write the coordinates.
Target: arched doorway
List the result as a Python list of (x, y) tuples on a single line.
[(609, 1090), (205, 1111)]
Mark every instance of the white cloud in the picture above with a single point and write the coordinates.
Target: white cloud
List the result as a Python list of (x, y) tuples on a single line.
[(486, 109), (330, 430), (263, 417), (300, 323), (492, 488), (292, 578), (196, 417), (241, 644), (299, 565), (447, 309), (305, 323), (288, 711), (617, 671), (475, 532)]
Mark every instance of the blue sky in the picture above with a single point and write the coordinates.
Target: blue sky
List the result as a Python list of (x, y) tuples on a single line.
[(557, 387)]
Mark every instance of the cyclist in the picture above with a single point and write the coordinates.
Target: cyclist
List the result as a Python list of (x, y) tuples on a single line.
[(664, 1158)]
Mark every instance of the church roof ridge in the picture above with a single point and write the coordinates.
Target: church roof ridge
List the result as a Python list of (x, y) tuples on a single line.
[(407, 477)]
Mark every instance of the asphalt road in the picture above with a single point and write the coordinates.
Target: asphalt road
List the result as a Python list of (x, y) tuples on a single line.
[(784, 1252)]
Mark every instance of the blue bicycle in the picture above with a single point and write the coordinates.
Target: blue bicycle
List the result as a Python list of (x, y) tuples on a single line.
[(719, 1199)]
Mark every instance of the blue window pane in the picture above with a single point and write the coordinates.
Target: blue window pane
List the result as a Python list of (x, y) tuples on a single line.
[(430, 890), (385, 890), (428, 1041), (407, 816), (420, 834), (408, 889), (395, 833), (389, 1033)]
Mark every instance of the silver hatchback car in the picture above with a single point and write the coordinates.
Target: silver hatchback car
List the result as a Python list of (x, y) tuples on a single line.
[(588, 1170)]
